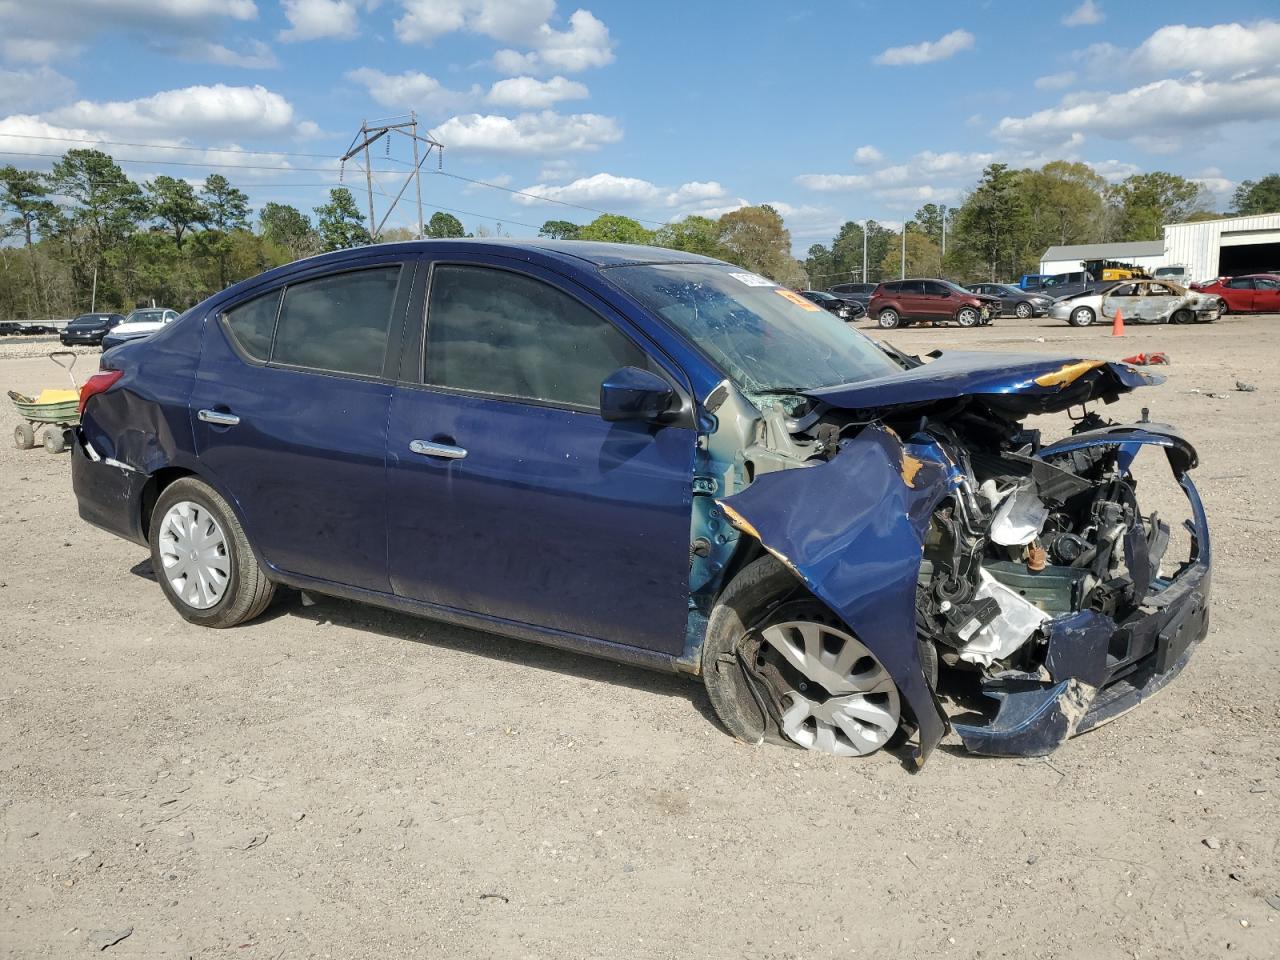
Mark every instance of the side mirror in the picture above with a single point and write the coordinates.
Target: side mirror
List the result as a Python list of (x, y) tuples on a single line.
[(630, 393)]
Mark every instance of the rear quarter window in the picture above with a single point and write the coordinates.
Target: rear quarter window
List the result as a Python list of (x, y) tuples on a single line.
[(252, 324)]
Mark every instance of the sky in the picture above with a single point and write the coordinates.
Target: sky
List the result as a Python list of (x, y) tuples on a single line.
[(829, 111)]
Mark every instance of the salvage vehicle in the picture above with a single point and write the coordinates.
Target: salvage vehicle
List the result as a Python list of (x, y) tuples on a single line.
[(904, 302), (140, 323), (1014, 301), (665, 460), (1142, 301), (1255, 293), (854, 291)]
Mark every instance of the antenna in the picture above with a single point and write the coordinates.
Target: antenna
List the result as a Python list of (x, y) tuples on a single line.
[(405, 125)]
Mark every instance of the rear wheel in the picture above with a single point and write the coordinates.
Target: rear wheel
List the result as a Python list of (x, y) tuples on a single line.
[(968, 317), (1082, 317), (887, 319), (773, 663), (1023, 311), (24, 438), (202, 558), (54, 439)]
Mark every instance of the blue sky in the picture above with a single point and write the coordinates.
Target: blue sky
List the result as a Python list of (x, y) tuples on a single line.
[(830, 111)]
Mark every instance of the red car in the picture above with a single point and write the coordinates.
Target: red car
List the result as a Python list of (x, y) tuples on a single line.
[(1256, 293), (904, 302)]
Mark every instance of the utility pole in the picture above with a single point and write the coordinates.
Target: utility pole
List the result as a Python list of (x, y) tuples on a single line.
[(864, 251), (944, 231), (370, 133), (93, 297), (904, 250)]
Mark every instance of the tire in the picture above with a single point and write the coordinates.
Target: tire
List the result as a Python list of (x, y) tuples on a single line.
[(968, 317), (760, 596), (1223, 309), (1082, 317), (54, 439), (24, 438), (1024, 311), (888, 319), (1182, 316), (228, 587)]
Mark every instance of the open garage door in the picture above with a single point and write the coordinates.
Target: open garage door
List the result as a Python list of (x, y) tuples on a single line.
[(1249, 251)]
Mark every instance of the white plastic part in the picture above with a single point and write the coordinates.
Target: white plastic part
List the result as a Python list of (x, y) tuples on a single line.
[(1020, 518), (1018, 620)]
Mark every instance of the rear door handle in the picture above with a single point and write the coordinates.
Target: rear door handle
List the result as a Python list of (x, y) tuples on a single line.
[(218, 417), (428, 448)]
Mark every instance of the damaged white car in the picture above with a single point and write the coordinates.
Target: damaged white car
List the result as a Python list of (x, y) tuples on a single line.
[(1142, 301)]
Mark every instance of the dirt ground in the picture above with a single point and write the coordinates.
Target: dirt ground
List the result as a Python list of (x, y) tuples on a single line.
[(337, 781)]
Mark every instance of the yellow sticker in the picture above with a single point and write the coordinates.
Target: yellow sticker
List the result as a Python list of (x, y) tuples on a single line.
[(795, 298)]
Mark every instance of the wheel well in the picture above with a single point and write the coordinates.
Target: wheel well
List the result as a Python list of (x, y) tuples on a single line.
[(151, 492)]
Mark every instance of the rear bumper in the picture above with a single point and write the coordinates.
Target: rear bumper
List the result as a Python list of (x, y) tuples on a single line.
[(108, 493)]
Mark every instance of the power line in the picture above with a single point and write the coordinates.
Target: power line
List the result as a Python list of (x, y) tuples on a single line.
[(536, 196), (193, 163), (165, 146)]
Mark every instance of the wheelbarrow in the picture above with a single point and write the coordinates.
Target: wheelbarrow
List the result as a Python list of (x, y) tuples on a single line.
[(53, 413)]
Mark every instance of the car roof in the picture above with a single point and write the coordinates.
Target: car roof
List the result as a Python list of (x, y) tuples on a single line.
[(589, 251)]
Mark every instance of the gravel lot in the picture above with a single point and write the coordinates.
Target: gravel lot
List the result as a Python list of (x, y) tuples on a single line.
[(337, 781)]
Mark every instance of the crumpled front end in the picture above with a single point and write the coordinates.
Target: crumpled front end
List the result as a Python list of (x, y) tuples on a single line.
[(1017, 588)]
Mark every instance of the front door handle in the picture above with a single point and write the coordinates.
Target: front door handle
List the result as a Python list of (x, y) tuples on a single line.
[(428, 448), (219, 417)]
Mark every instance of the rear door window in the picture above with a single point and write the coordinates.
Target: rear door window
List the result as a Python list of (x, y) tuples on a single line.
[(505, 334), (338, 323), (913, 287), (1240, 283)]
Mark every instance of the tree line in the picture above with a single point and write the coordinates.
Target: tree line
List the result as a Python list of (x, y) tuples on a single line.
[(86, 234)]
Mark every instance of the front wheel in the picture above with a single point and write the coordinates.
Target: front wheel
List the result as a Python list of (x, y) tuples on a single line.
[(1082, 317), (1023, 311), (24, 438), (202, 558), (968, 317), (1223, 309), (1181, 316), (888, 319), (54, 439), (774, 663)]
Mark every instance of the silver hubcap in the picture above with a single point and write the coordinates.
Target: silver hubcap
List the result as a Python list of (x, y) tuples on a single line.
[(888, 319), (850, 707), (968, 318), (1083, 317), (193, 551), (1023, 311)]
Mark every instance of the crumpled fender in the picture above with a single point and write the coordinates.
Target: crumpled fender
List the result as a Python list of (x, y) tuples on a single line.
[(1131, 437), (852, 529)]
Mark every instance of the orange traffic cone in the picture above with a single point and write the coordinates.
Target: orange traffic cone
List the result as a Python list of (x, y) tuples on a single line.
[(1117, 325)]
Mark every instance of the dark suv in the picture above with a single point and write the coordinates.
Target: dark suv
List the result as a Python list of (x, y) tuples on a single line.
[(854, 291), (89, 329), (901, 303)]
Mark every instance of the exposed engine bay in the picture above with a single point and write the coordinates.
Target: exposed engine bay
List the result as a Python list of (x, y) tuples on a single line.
[(1031, 567)]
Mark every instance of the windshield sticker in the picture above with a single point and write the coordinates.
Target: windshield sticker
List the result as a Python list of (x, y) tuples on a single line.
[(753, 280), (798, 300)]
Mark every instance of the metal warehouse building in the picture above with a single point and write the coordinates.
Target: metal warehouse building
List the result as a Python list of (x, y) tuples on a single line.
[(1225, 248), (1207, 248), (1148, 254)]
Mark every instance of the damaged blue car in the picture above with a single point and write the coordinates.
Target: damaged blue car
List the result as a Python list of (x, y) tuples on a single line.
[(664, 460)]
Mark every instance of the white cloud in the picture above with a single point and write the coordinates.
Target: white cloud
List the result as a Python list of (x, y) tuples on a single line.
[(868, 155), (1085, 15), (32, 89), (410, 89), (556, 170), (1056, 81), (1157, 115), (919, 171), (40, 32), (927, 52), (255, 55), (529, 133), (320, 19), (199, 111), (609, 191), (1113, 171), (1221, 49), (522, 24), (530, 94)]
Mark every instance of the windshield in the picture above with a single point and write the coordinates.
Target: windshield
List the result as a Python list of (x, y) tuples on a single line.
[(763, 337), (146, 316)]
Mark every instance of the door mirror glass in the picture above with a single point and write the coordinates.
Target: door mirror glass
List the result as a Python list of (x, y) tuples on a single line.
[(630, 393)]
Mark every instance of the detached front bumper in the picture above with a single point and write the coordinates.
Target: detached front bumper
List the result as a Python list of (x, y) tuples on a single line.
[(1096, 669)]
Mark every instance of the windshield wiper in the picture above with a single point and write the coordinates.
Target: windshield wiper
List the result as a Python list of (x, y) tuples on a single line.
[(779, 391)]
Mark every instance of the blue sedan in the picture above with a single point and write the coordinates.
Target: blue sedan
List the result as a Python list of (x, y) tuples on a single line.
[(665, 460)]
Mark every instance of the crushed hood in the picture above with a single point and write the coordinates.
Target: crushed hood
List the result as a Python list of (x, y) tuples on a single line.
[(1014, 384)]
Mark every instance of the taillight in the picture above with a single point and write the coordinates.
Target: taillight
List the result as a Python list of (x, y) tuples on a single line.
[(100, 382)]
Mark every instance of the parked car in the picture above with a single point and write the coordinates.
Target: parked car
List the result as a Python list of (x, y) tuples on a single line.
[(847, 310), (10, 328), (89, 329), (662, 459), (140, 323), (1069, 284), (1175, 272), (1032, 281), (854, 291), (904, 302), (1014, 301), (1255, 293), (1143, 301)]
